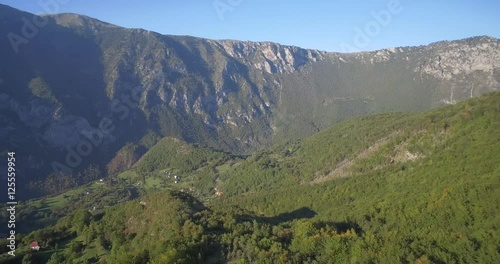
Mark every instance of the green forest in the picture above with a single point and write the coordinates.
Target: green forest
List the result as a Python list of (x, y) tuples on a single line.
[(386, 188)]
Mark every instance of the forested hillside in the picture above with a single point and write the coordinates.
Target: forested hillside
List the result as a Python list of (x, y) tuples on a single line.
[(77, 75), (405, 188)]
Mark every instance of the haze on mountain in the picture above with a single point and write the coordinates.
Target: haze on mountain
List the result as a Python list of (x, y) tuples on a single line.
[(262, 148)]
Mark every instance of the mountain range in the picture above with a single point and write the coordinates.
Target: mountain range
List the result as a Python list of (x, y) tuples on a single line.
[(77, 93)]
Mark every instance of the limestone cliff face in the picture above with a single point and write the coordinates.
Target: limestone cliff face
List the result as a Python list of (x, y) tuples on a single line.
[(228, 94), (461, 69), (463, 57), (270, 57), (467, 68)]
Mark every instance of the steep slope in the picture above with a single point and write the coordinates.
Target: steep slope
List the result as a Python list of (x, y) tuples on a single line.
[(78, 83), (178, 156), (389, 188), (457, 137), (423, 187), (399, 79)]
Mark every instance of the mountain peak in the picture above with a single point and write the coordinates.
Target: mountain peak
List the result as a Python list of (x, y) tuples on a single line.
[(77, 20)]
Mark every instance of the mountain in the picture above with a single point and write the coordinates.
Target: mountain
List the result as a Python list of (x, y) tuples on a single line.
[(75, 91), (388, 188)]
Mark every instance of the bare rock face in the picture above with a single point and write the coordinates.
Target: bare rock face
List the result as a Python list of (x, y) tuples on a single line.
[(42, 116), (466, 68), (66, 132), (271, 57), (36, 114), (463, 57), (461, 69)]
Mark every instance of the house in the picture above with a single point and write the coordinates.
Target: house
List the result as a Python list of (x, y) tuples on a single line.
[(34, 246)]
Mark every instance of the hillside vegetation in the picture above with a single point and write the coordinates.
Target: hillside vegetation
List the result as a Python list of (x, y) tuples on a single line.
[(79, 73), (389, 188)]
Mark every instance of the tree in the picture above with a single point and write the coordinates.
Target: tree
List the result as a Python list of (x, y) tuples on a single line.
[(76, 247), (141, 258), (56, 258), (27, 259), (81, 219)]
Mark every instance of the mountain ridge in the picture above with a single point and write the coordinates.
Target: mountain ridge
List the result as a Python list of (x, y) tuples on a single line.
[(230, 95)]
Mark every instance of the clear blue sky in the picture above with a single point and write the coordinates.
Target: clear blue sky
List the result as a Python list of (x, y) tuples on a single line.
[(321, 24)]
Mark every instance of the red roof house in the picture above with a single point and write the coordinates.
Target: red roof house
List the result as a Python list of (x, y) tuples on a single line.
[(34, 246)]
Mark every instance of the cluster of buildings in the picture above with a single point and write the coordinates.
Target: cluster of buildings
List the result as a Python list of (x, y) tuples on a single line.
[(176, 177)]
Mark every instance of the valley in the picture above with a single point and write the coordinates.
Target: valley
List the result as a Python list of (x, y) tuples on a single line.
[(80, 75), (139, 147), (384, 188)]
